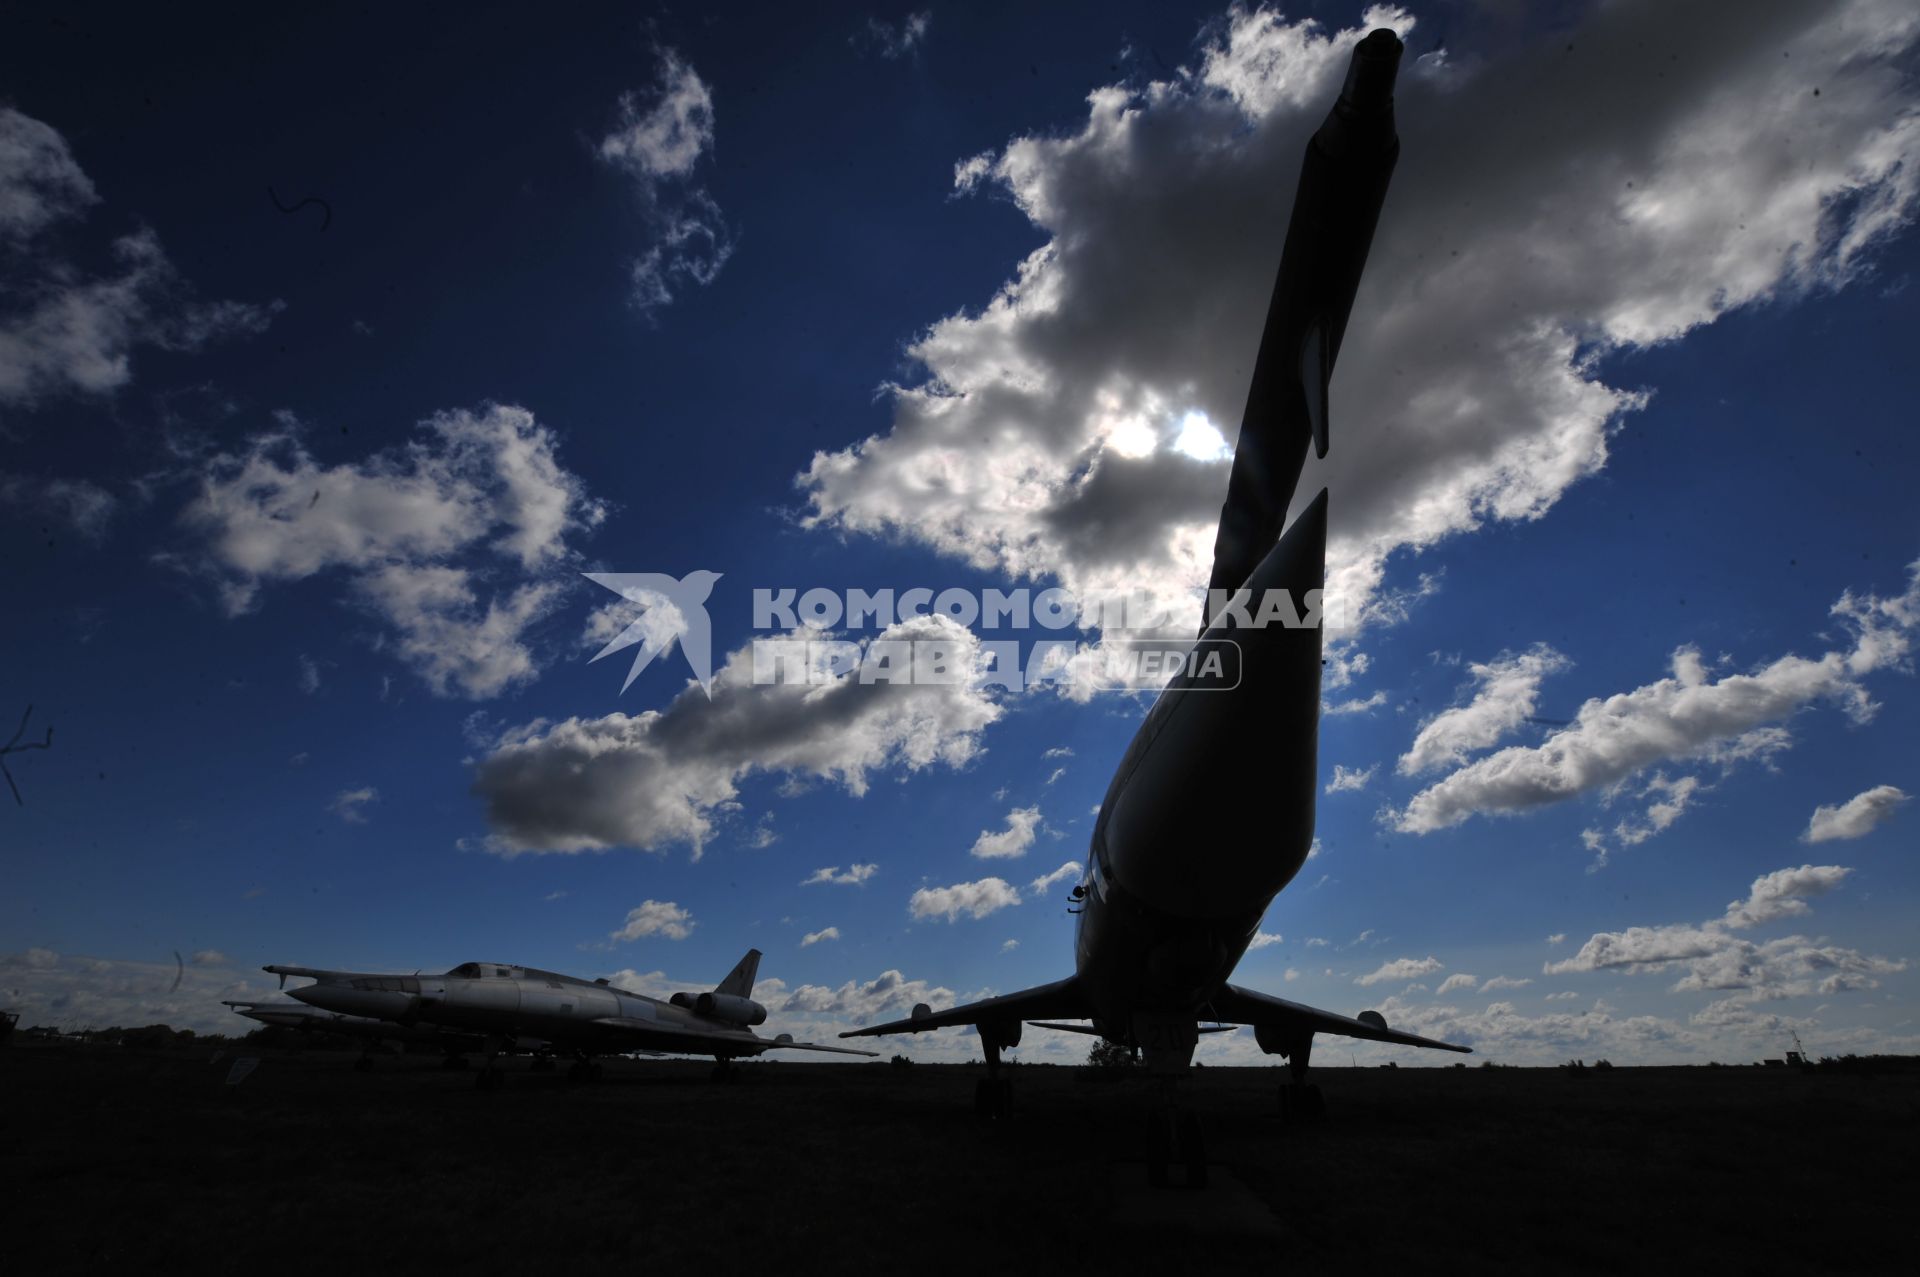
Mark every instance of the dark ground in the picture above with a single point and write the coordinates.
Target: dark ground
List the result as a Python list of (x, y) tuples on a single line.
[(126, 1160)]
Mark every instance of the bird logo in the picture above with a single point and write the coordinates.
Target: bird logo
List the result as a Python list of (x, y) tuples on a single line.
[(672, 610)]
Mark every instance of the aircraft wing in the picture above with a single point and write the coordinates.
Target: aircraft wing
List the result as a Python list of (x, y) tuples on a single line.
[(1060, 1000), (649, 1034), (1262, 1010)]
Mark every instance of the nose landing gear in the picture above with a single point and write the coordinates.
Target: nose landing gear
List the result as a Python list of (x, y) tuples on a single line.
[(1174, 1139)]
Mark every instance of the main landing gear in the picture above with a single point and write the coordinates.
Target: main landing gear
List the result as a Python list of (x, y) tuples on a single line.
[(993, 1094), (723, 1071), (489, 1077), (1300, 1100)]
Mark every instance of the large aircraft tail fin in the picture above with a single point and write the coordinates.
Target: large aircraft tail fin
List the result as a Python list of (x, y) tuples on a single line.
[(739, 981)]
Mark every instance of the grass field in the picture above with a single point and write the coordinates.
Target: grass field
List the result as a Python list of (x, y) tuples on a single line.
[(123, 1160)]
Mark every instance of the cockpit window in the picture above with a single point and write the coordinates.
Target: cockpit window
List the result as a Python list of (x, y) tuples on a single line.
[(468, 971)]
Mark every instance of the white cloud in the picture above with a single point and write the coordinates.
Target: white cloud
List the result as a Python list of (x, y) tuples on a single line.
[(660, 138), (889, 996), (1011, 841), (1689, 715), (1058, 772), (208, 958), (74, 992), (854, 875), (656, 918), (77, 504), (815, 937), (1506, 694), (1008, 946), (1354, 706), (309, 674), (1059, 751), (40, 181), (975, 899), (665, 776), (351, 804), (1459, 980), (1713, 958), (1290, 975), (453, 540), (1558, 937), (1855, 818), (1470, 388), (894, 40), (1068, 872), (61, 330), (1344, 779), (1262, 939), (1505, 982), (1401, 969)]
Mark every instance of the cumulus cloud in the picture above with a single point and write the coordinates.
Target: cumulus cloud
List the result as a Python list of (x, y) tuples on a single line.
[(664, 777), (1008, 946), (1067, 872), (71, 992), (1505, 982), (1859, 816), (1458, 980), (659, 138), (656, 918), (975, 899), (62, 329), (1506, 691), (453, 541), (1470, 387), (351, 804), (889, 996), (208, 958), (854, 875), (79, 505), (1688, 715), (1011, 841), (895, 40), (1345, 779), (1401, 969), (1262, 939), (815, 937), (1712, 957)]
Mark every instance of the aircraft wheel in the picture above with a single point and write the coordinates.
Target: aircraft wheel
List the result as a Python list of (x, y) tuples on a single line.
[(993, 1098), (1301, 1102), (1159, 1147), (1193, 1148)]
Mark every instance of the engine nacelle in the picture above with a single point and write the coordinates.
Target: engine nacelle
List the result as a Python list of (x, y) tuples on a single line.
[(1004, 1034), (730, 1008)]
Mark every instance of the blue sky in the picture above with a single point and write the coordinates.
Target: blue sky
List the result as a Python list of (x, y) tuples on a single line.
[(745, 291)]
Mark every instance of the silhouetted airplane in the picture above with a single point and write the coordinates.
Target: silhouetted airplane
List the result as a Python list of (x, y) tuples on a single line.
[(1211, 810), (582, 1018)]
